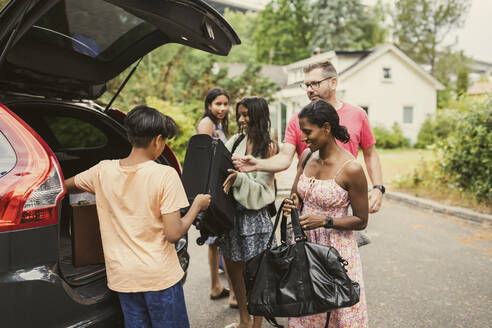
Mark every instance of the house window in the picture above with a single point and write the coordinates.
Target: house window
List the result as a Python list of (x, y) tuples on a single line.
[(387, 73), (408, 114)]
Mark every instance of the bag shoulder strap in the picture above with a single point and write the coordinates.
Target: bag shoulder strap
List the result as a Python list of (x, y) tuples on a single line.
[(306, 159), (237, 142)]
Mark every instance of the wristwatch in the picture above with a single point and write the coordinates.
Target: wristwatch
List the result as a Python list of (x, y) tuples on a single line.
[(380, 187), (329, 222)]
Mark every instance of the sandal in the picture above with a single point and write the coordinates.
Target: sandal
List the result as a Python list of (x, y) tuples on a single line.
[(232, 325), (224, 293)]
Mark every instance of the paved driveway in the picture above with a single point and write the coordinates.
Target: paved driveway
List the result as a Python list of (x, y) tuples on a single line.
[(422, 270)]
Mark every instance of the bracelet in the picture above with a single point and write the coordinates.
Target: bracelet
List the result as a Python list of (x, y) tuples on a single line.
[(329, 222), (380, 187)]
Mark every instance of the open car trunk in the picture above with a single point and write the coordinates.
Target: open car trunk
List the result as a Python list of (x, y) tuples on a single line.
[(69, 49), (80, 138)]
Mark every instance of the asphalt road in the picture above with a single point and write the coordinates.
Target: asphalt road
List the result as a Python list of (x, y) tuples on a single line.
[(421, 270)]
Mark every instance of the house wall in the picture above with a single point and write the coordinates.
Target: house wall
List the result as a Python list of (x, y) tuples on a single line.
[(385, 98), (346, 61)]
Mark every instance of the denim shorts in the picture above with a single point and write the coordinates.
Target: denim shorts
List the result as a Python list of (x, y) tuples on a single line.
[(159, 309)]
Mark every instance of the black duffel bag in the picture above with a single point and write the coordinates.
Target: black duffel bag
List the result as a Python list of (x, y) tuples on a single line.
[(299, 279)]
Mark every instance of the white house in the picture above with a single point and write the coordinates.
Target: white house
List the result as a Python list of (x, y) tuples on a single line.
[(384, 81)]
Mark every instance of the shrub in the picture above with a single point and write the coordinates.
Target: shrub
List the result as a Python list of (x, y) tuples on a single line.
[(438, 129), (389, 139), (446, 120), (467, 153), (186, 115)]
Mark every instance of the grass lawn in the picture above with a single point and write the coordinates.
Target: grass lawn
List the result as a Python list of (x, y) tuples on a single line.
[(398, 162), (395, 162)]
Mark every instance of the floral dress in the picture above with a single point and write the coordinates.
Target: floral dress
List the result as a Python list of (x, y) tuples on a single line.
[(326, 197)]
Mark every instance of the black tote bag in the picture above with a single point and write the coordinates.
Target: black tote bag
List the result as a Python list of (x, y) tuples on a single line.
[(299, 279)]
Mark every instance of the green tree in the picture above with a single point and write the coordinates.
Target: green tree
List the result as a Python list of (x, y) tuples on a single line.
[(449, 64), (175, 79), (462, 81), (420, 27), (244, 25), (283, 32), (347, 25)]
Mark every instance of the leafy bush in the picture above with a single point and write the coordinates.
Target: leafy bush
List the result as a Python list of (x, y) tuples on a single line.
[(389, 139), (186, 115), (438, 129), (467, 153), (427, 175), (446, 120)]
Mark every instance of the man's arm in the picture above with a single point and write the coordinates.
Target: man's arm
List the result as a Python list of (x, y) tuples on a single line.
[(373, 166), (276, 163)]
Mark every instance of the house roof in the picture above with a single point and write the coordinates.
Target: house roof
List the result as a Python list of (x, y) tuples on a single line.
[(329, 55), (480, 88), (274, 73), (381, 50)]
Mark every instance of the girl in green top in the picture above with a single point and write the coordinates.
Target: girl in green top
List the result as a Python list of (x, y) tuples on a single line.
[(253, 192)]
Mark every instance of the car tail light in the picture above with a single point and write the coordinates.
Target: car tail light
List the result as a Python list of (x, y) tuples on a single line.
[(31, 191)]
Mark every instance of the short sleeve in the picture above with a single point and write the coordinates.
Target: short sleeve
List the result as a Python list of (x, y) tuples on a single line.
[(292, 131), (87, 179), (366, 137), (173, 196)]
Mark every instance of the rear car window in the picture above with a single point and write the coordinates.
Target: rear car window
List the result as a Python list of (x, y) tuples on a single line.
[(93, 28), (7, 156), (71, 132)]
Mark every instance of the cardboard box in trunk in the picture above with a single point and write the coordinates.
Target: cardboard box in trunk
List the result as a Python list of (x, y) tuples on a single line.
[(86, 236)]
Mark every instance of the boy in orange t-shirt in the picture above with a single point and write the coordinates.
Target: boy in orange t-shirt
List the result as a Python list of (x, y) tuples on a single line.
[(138, 203)]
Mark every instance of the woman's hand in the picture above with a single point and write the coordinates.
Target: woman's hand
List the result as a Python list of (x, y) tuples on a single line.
[(230, 180), (310, 221), (289, 205)]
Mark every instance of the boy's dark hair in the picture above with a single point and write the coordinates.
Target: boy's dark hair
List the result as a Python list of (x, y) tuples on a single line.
[(320, 112), (144, 123)]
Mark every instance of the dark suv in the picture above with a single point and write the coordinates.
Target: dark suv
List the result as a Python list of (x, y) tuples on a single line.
[(58, 56)]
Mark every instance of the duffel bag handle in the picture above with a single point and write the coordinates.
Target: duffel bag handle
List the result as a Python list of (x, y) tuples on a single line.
[(294, 214)]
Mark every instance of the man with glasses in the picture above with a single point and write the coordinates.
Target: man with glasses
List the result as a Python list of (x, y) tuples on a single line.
[(320, 82)]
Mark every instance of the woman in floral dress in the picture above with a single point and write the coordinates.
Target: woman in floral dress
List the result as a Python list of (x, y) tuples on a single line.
[(328, 180)]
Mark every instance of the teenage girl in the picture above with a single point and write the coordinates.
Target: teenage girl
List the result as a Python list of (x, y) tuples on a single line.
[(253, 192), (215, 122)]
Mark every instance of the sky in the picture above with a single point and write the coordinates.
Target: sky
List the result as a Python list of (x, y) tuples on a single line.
[(475, 37)]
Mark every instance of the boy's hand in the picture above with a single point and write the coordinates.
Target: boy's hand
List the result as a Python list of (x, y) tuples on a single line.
[(203, 201)]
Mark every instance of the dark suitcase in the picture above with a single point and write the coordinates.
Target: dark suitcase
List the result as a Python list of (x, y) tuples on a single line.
[(204, 172)]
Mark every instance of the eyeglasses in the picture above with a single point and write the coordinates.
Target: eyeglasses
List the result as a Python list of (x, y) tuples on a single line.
[(314, 85)]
